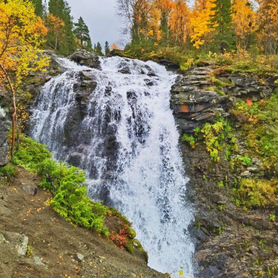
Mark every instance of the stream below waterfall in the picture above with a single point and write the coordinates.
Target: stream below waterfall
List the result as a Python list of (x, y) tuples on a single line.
[(117, 125)]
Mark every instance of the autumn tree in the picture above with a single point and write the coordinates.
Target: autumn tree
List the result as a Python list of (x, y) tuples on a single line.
[(61, 10), (139, 28), (180, 23), (267, 26), (202, 22), (21, 38), (165, 8), (55, 26), (245, 22), (82, 34)]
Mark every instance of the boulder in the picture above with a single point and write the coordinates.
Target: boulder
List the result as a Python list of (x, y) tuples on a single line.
[(85, 58)]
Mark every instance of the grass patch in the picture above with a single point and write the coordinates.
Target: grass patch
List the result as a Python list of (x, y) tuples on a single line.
[(8, 172)]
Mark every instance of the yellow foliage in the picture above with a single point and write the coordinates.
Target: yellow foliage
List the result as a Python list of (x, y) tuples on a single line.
[(201, 22), (267, 25), (21, 36), (180, 22), (245, 21), (257, 193)]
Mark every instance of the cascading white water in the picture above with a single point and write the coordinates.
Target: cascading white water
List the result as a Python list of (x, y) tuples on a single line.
[(140, 166)]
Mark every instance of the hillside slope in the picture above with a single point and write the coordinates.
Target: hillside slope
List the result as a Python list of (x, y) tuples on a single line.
[(50, 246)]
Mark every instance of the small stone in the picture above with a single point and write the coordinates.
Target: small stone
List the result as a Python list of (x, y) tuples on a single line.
[(38, 261), (2, 239), (30, 189), (245, 174), (80, 257), (22, 246)]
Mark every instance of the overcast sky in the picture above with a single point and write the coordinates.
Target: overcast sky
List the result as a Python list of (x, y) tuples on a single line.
[(101, 18)]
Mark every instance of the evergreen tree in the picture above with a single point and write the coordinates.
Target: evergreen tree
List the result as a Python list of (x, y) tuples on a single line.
[(38, 7), (82, 34), (61, 9), (98, 49), (106, 48), (225, 33)]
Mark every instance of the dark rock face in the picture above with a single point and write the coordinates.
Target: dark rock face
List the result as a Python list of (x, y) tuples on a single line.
[(193, 103), (85, 58), (5, 126), (247, 87), (227, 239)]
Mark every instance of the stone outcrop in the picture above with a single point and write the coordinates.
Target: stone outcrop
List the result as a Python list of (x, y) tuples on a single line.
[(5, 125), (85, 58), (193, 102), (247, 86)]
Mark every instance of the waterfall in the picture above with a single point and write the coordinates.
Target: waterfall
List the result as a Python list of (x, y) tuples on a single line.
[(116, 124)]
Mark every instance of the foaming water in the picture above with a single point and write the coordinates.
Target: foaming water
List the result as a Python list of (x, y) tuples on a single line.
[(127, 141)]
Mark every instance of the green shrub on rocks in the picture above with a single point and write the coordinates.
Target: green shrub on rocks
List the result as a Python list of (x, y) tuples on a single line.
[(8, 171), (66, 183), (256, 193), (217, 137)]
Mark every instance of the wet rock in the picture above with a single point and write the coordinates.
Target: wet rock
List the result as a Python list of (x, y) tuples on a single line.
[(5, 126), (124, 69), (85, 58)]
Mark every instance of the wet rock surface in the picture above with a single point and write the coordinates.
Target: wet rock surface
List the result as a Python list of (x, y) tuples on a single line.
[(5, 125), (85, 58)]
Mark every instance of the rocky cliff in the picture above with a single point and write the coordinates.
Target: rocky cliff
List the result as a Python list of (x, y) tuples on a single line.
[(231, 240)]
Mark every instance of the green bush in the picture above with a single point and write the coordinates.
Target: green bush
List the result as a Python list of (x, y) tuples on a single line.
[(219, 137), (67, 184), (190, 139), (8, 171)]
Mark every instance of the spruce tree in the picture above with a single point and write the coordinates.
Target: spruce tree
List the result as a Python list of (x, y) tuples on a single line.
[(61, 9), (225, 33), (98, 49), (106, 48), (38, 7), (82, 34)]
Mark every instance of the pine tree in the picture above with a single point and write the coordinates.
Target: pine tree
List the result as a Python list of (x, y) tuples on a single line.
[(82, 34), (106, 48), (61, 9), (225, 33), (98, 49), (38, 7)]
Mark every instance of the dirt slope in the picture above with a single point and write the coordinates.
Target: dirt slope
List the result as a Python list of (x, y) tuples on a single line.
[(55, 248)]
